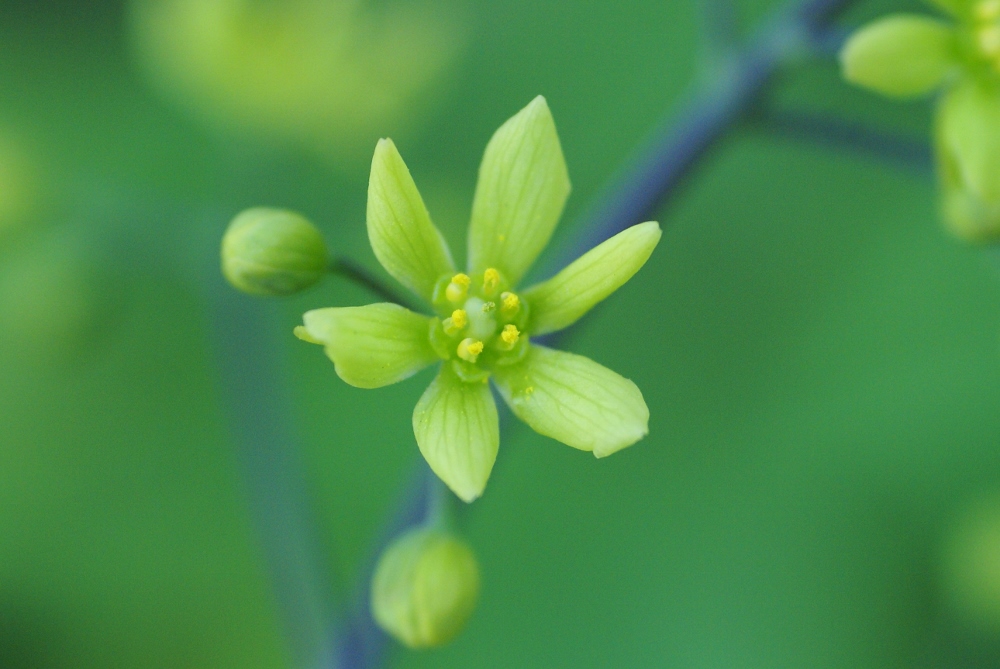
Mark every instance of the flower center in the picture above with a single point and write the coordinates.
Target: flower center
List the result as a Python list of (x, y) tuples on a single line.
[(480, 325)]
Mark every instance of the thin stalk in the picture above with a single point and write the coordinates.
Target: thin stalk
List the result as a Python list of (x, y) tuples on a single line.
[(352, 271)]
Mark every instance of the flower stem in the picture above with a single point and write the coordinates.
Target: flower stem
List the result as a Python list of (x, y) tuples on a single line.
[(722, 100), (352, 271), (860, 139)]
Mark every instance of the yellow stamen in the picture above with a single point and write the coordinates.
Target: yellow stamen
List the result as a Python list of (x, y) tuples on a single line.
[(456, 322), (458, 289), (510, 334), (491, 279), (469, 349), (988, 10), (989, 40), (511, 304)]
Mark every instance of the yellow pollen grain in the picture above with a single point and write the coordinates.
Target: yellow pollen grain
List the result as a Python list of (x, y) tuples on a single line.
[(529, 390), (455, 323), (511, 302), (510, 335), (491, 279), (488, 307), (458, 288), (469, 349)]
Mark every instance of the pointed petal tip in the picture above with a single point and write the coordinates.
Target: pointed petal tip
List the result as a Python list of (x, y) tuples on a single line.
[(383, 145), (650, 224), (302, 333), (468, 496), (605, 452)]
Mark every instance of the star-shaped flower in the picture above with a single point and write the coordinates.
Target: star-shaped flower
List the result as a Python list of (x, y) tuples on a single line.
[(482, 322)]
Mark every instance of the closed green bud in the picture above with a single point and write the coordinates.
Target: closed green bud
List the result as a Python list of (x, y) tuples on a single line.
[(967, 143), (272, 252), (900, 55), (425, 588)]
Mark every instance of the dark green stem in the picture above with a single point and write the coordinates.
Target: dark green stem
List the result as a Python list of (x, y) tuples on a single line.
[(352, 271)]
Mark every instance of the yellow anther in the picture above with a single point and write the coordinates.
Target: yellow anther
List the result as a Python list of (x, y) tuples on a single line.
[(456, 322), (458, 289), (510, 303), (988, 10), (489, 307), (510, 334), (491, 280), (989, 40), (469, 349)]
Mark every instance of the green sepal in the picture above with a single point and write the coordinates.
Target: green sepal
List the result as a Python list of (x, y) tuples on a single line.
[(400, 230), (574, 400), (900, 55), (522, 188), (560, 301), (425, 587), (967, 145), (458, 432), (371, 346)]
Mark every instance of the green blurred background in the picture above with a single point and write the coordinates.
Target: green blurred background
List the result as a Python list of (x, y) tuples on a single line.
[(821, 482)]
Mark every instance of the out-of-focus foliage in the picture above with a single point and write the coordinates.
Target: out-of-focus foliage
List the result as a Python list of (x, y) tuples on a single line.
[(50, 299), (971, 565), (328, 75), (18, 186)]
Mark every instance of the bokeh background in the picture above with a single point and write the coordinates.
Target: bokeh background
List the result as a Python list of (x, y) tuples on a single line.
[(821, 483)]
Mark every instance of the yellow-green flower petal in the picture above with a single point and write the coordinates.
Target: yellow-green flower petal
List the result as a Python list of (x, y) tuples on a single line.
[(571, 293), (574, 400), (371, 346), (523, 185), (900, 55), (400, 230), (425, 587), (458, 432)]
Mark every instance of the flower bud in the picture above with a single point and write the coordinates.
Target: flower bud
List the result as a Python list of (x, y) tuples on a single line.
[(900, 55), (272, 252), (967, 143), (425, 588)]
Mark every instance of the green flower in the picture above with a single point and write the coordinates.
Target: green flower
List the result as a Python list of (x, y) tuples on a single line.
[(482, 322), (904, 55)]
